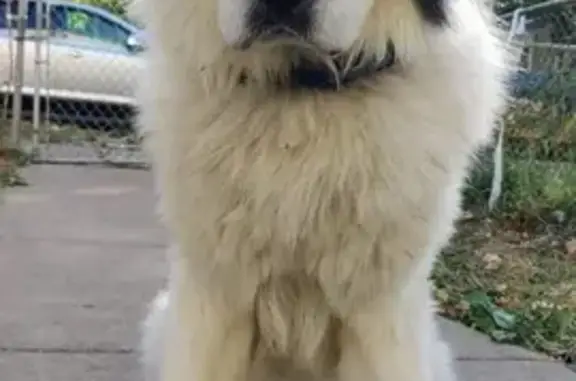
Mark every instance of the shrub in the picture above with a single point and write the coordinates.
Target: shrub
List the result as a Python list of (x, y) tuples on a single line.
[(117, 7), (11, 159), (539, 163)]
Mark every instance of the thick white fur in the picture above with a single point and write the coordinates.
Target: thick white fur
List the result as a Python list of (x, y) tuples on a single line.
[(231, 16), (339, 22), (307, 223)]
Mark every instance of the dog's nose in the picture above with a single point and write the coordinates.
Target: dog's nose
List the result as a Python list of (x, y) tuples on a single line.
[(281, 18)]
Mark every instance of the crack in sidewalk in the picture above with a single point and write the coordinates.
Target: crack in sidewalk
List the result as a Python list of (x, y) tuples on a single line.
[(506, 359), (129, 351), (65, 350), (11, 237)]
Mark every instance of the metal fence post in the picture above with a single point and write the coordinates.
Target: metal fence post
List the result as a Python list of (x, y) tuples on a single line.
[(38, 38), (498, 156), (18, 74)]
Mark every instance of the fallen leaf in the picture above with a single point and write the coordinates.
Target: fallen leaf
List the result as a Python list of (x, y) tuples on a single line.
[(571, 247), (492, 261), (503, 319), (442, 295)]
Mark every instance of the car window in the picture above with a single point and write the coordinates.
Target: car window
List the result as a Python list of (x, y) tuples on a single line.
[(77, 21), (57, 18), (87, 25), (3, 15), (109, 31)]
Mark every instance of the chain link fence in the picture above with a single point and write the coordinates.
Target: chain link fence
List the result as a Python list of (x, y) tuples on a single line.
[(532, 167), (68, 74)]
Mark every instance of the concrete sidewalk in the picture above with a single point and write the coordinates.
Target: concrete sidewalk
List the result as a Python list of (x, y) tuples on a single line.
[(81, 253)]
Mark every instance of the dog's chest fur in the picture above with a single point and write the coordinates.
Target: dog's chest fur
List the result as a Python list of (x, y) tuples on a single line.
[(335, 184), (297, 182)]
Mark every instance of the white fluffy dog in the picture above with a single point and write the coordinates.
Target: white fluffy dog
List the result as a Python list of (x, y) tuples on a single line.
[(309, 156)]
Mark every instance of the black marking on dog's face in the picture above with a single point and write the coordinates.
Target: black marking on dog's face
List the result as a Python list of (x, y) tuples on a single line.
[(281, 18), (433, 11)]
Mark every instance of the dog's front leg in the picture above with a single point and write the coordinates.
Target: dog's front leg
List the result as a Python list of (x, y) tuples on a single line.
[(383, 342), (206, 340)]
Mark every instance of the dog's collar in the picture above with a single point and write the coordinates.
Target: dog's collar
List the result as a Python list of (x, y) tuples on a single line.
[(312, 76), (316, 77)]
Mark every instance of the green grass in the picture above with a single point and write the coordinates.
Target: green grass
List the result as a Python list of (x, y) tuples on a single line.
[(11, 160), (11, 178)]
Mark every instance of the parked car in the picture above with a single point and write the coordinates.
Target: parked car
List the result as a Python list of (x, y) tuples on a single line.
[(90, 58)]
